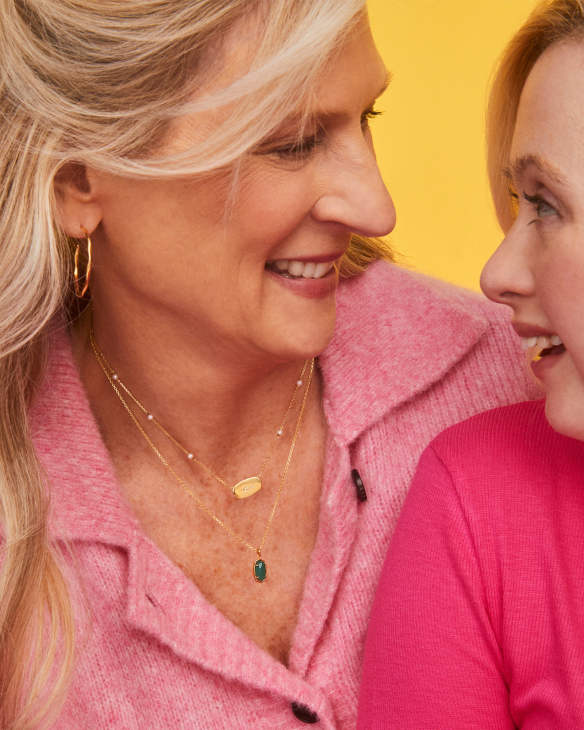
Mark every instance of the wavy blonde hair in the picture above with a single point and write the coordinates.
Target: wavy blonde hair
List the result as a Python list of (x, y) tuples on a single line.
[(551, 22), (96, 82)]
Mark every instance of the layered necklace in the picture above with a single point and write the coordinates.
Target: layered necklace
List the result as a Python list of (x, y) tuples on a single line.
[(243, 488)]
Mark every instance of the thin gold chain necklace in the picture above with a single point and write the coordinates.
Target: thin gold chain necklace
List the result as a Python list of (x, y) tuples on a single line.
[(259, 567), (243, 488)]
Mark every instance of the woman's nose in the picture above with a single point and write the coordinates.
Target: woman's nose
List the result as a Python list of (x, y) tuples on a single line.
[(507, 276), (355, 195)]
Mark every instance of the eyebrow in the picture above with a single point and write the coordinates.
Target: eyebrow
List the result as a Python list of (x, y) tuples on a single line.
[(292, 120), (520, 166)]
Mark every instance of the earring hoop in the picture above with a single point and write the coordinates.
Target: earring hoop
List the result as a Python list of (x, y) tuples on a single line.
[(81, 289)]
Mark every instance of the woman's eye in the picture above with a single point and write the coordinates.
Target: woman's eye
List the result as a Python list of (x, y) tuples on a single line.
[(542, 208), (369, 114), (296, 149)]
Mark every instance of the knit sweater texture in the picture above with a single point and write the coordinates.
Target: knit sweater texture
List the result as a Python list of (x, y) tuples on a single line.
[(409, 356), (479, 619)]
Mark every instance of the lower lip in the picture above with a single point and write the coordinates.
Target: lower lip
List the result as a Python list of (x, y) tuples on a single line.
[(545, 364), (309, 288)]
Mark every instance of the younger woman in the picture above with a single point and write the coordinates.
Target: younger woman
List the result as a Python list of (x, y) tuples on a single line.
[(479, 618)]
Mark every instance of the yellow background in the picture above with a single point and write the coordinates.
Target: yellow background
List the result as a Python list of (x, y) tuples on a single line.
[(430, 139)]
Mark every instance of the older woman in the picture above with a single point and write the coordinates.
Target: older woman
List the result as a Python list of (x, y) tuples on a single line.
[(194, 508), (479, 620)]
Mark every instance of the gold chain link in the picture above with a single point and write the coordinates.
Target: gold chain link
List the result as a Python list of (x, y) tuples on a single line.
[(187, 452), (109, 372)]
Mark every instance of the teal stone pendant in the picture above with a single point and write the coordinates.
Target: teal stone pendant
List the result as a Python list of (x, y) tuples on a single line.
[(260, 571)]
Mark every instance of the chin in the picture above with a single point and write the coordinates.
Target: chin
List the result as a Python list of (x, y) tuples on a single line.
[(305, 347), (566, 417), (306, 337)]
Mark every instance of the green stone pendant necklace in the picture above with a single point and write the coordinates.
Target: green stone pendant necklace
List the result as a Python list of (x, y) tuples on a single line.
[(246, 487)]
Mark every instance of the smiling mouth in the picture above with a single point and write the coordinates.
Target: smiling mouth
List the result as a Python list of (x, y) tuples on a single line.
[(544, 345), (290, 269), (557, 350)]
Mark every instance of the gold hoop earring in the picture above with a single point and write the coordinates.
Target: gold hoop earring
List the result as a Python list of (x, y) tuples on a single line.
[(81, 289)]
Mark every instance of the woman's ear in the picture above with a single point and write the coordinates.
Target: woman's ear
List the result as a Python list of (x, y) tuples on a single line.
[(78, 210)]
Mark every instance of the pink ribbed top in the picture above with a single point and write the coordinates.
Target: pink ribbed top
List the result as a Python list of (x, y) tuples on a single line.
[(479, 619)]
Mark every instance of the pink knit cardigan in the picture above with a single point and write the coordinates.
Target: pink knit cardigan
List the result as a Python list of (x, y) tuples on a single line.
[(409, 357)]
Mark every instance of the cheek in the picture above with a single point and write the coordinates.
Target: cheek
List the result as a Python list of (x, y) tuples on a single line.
[(160, 215), (559, 271), (560, 292), (271, 204), (157, 238)]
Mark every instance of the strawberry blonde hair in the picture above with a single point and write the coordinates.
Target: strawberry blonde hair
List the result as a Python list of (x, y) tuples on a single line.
[(551, 22)]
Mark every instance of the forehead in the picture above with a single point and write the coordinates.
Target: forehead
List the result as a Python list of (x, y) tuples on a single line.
[(550, 117), (355, 70)]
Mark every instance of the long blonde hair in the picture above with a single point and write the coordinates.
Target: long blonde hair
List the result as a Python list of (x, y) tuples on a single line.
[(96, 82), (552, 21)]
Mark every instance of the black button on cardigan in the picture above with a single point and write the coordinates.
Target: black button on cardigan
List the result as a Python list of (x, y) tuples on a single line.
[(304, 714), (361, 493)]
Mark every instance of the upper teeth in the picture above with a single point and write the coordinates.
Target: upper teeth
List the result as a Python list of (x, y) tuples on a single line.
[(308, 270), (542, 342)]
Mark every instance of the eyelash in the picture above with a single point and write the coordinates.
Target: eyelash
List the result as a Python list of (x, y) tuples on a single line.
[(303, 148), (537, 202), (369, 114), (300, 149)]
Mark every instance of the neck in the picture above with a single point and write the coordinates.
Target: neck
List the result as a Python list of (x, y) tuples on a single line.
[(216, 405)]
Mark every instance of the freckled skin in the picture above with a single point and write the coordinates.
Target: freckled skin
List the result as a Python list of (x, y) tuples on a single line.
[(213, 344)]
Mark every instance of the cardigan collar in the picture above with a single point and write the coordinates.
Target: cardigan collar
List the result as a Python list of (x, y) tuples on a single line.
[(397, 333)]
